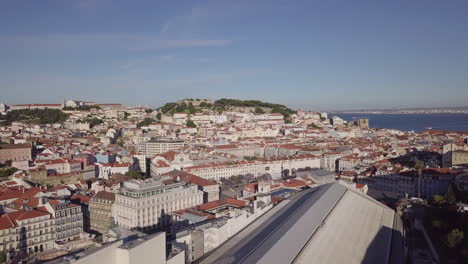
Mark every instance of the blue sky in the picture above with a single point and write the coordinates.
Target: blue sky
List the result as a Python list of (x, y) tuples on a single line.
[(316, 54)]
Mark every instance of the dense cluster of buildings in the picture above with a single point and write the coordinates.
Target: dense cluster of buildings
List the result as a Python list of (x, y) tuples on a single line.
[(113, 172)]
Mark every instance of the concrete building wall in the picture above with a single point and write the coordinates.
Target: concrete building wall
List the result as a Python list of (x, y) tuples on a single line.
[(147, 212), (198, 244), (14, 152), (460, 158), (105, 255), (177, 259), (152, 251), (256, 168)]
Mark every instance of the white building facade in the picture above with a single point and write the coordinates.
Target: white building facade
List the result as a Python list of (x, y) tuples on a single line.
[(146, 204)]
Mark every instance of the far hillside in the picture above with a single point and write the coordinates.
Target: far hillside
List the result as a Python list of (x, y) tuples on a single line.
[(257, 105), (188, 106), (37, 116)]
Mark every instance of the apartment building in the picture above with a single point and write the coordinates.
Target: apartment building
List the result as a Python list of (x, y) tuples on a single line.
[(158, 146), (105, 170), (15, 152), (273, 166), (454, 150), (146, 204), (241, 151), (348, 163), (210, 189), (60, 165), (68, 219), (460, 158), (26, 232), (100, 211), (36, 106), (433, 182)]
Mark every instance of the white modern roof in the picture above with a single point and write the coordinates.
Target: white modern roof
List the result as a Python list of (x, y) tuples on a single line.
[(332, 224)]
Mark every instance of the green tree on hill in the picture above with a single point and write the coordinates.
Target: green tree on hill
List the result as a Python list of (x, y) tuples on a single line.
[(454, 238), (136, 174), (450, 196), (7, 172), (94, 122), (259, 110), (181, 108), (146, 122), (81, 108), (3, 257), (41, 116), (167, 107), (191, 109), (190, 123), (419, 166), (438, 200)]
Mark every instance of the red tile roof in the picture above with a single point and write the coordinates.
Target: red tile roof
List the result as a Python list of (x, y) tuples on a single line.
[(276, 199), (360, 185), (169, 156), (9, 194), (293, 183), (6, 222), (162, 164), (189, 178), (14, 146), (23, 215), (194, 212), (222, 203), (105, 195), (80, 198), (251, 187)]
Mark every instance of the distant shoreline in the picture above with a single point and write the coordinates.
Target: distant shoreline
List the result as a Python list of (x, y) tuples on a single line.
[(411, 121), (397, 113)]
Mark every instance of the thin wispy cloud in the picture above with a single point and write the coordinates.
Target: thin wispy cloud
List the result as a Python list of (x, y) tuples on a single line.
[(106, 41), (89, 4), (165, 27), (181, 43)]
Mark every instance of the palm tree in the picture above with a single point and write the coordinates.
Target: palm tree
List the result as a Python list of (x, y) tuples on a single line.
[(419, 166)]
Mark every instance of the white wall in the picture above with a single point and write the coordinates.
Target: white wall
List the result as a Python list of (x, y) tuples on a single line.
[(152, 251), (177, 259)]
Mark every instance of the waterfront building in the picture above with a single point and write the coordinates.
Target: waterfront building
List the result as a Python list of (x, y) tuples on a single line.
[(453, 149)]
